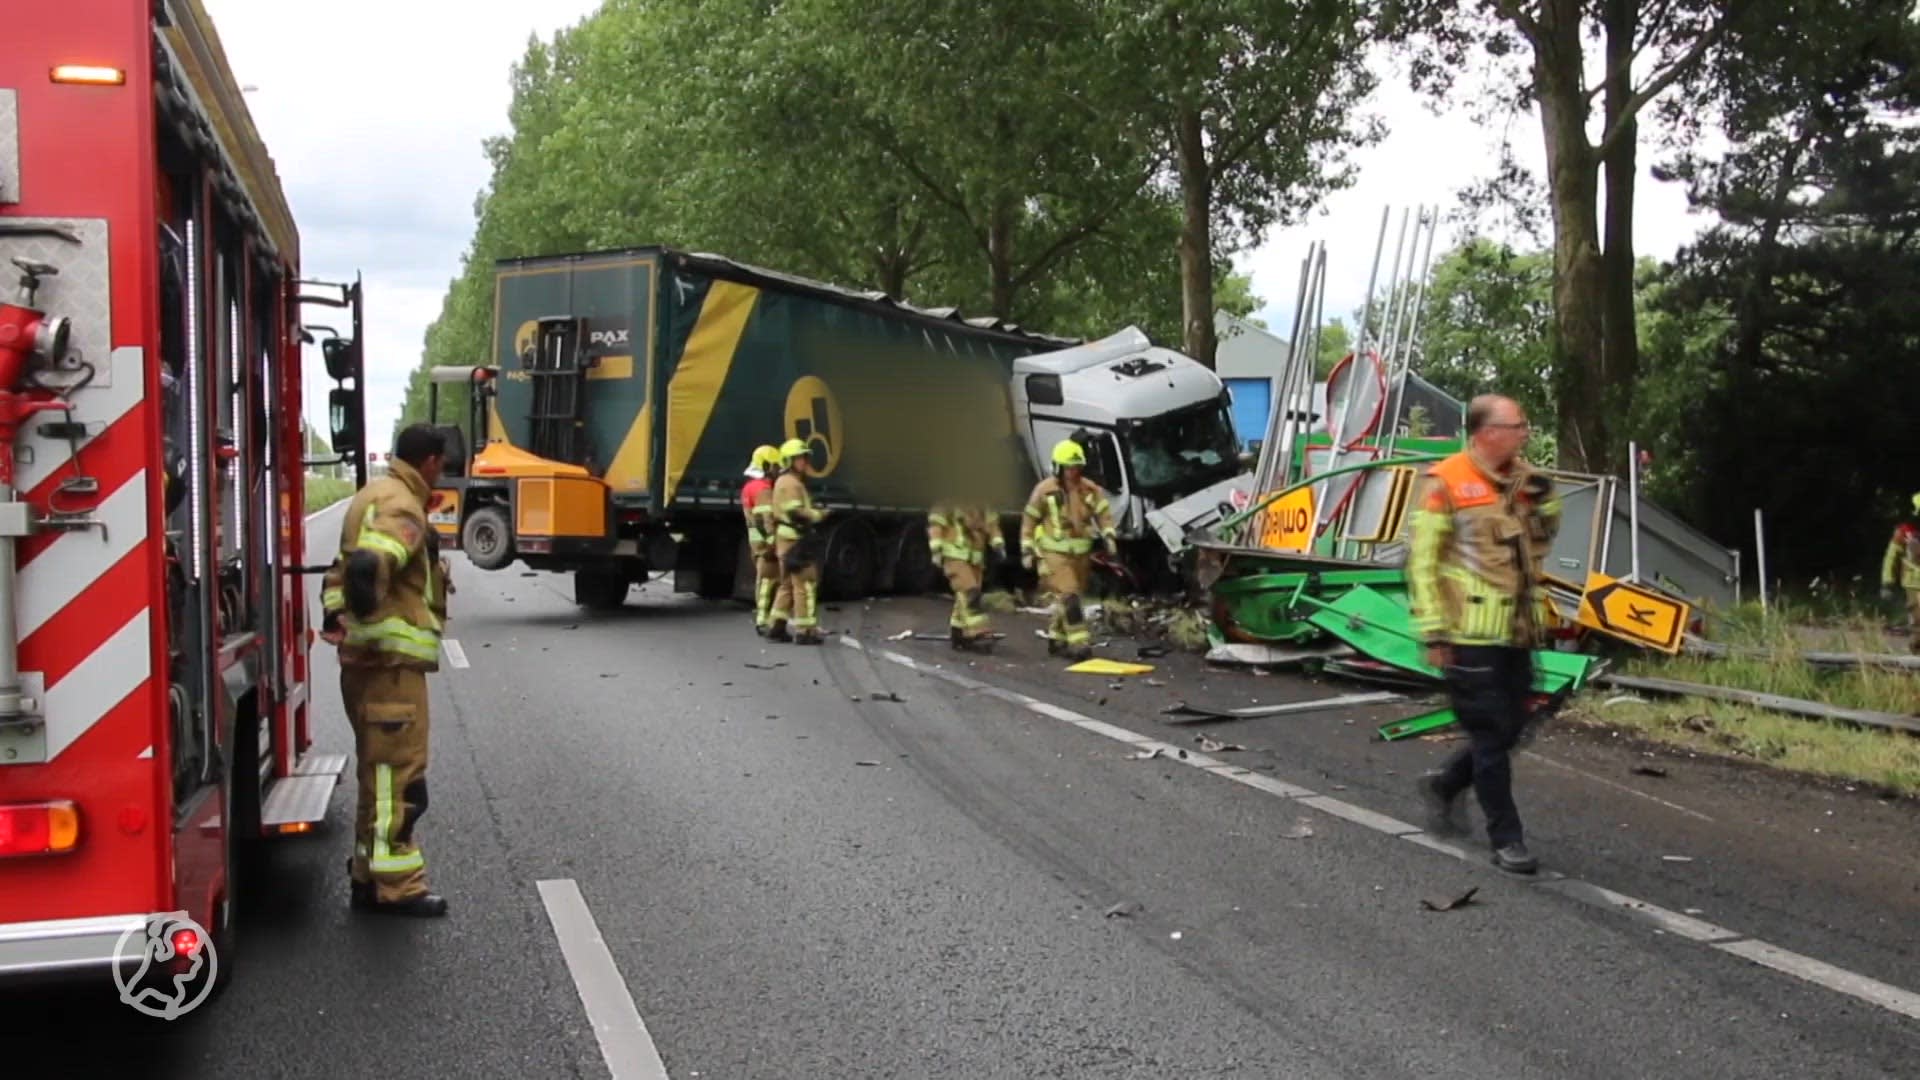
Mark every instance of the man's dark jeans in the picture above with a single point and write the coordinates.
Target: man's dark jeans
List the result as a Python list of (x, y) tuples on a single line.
[(1489, 685)]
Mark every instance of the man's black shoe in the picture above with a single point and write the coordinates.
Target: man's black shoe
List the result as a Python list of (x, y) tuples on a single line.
[(1515, 859), (1443, 814), (424, 906)]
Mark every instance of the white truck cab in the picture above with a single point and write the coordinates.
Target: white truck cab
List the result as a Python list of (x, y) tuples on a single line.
[(1157, 423)]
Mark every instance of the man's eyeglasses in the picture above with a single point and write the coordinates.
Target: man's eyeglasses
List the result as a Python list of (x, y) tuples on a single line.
[(1521, 426)]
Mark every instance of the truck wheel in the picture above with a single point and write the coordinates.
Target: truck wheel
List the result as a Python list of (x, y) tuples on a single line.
[(600, 588), (847, 568), (913, 573), (719, 565), (487, 538), (743, 580)]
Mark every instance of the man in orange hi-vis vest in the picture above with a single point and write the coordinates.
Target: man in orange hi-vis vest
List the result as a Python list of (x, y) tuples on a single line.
[(1484, 522)]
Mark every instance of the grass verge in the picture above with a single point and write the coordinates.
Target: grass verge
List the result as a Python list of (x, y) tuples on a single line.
[(1773, 661), (324, 491), (1888, 761)]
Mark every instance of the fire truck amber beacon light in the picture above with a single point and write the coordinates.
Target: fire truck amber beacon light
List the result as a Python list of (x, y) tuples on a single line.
[(89, 75)]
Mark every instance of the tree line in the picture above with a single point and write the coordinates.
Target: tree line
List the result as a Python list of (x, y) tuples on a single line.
[(1076, 166)]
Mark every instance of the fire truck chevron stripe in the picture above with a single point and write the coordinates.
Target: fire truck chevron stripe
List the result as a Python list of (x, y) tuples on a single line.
[(96, 406), (65, 641), (70, 564), (110, 459), (115, 669)]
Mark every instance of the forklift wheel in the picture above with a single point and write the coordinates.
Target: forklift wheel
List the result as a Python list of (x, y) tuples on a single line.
[(487, 538)]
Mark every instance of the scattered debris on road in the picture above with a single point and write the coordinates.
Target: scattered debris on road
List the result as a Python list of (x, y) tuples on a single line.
[(1649, 770), (1300, 831), (1244, 655), (1449, 902), (1676, 858), (1210, 745), (767, 667), (866, 763), (901, 636), (1126, 909), (886, 695), (1183, 713), (1149, 755)]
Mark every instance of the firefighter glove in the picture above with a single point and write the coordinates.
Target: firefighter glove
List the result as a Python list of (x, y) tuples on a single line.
[(362, 584), (1537, 486)]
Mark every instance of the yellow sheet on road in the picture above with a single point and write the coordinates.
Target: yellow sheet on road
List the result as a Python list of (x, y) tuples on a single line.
[(1109, 667)]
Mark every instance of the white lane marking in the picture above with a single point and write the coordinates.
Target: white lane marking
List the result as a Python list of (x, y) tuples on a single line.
[(1805, 968), (1672, 922), (1904, 1002), (456, 656), (1434, 844), (1359, 815), (624, 1042), (1614, 784)]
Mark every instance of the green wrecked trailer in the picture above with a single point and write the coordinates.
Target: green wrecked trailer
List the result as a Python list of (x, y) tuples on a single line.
[(627, 390)]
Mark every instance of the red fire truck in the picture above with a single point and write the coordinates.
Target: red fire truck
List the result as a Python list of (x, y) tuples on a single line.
[(154, 688)]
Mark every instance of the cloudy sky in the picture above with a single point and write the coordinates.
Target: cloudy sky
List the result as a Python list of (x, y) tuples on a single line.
[(377, 133)]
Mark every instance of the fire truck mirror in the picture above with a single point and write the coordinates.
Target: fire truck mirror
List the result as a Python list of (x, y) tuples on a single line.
[(344, 410), (341, 356)]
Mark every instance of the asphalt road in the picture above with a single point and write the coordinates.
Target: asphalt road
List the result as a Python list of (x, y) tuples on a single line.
[(980, 880)]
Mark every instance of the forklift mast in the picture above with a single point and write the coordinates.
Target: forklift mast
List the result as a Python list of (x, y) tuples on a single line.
[(558, 415)]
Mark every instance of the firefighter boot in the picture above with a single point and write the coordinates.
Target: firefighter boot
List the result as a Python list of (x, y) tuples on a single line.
[(424, 906)]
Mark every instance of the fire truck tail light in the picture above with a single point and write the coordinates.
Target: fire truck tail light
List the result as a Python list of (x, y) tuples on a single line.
[(89, 75), (45, 828)]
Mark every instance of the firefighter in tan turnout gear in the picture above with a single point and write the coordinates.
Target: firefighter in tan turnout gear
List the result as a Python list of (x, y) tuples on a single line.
[(796, 605), (959, 535), (1066, 515), (385, 603), (1900, 568), (756, 502)]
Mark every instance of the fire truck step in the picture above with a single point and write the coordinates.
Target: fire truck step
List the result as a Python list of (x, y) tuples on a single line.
[(297, 803), (321, 765)]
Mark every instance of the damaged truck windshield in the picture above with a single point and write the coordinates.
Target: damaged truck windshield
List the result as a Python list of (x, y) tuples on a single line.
[(1181, 451)]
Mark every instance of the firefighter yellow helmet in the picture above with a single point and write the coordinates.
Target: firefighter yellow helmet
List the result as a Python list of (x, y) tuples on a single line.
[(791, 449), (1067, 453), (764, 458)]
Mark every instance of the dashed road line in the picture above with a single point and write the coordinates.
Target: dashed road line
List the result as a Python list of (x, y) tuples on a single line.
[(456, 656), (624, 1042), (1616, 785), (1732, 942)]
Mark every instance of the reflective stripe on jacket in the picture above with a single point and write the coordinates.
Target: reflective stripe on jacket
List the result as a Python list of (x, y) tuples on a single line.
[(963, 533), (388, 517), (1477, 550), (756, 503), (1066, 520), (793, 508), (1901, 566)]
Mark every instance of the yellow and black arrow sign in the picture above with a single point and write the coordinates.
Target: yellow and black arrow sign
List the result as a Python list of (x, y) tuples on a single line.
[(1634, 613)]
